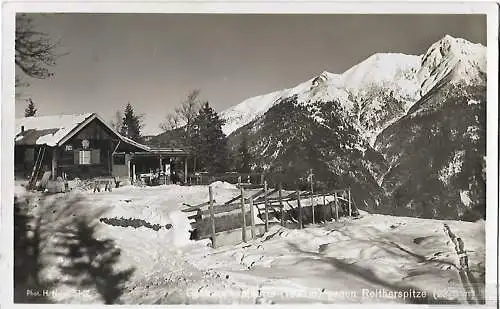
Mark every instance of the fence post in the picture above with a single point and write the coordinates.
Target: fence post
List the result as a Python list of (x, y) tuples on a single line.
[(280, 198), (212, 217), (244, 220), (336, 207), (312, 199), (463, 259), (266, 207), (262, 178), (324, 208), (350, 206), (300, 209), (252, 218)]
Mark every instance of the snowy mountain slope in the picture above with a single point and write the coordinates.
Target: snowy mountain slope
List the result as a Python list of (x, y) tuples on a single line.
[(314, 136), (464, 60), (241, 114), (436, 152), (395, 71), (361, 81), (378, 91)]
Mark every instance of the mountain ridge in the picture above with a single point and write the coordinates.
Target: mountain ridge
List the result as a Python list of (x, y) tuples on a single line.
[(404, 77)]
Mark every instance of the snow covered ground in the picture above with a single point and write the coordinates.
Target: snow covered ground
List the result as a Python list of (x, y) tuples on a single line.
[(375, 258)]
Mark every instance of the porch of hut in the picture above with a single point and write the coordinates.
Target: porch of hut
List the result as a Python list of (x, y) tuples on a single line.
[(166, 165)]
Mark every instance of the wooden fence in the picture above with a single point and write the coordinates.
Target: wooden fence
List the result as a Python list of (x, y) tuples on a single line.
[(267, 206)]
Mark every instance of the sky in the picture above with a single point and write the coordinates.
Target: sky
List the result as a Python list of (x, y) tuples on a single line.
[(154, 60)]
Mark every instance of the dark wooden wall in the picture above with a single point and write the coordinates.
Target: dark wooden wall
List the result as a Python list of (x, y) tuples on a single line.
[(25, 157), (101, 144)]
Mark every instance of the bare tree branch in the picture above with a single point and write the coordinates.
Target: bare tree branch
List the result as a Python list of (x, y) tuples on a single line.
[(184, 114), (172, 121), (116, 123)]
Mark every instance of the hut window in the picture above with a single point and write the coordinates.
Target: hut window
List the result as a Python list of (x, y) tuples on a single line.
[(119, 159), (84, 157)]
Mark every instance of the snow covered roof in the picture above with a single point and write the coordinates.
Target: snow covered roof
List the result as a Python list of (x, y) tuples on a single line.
[(55, 130), (132, 142), (49, 130)]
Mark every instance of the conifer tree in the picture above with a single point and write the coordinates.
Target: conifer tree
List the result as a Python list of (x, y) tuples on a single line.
[(30, 111), (131, 124), (208, 141), (244, 158)]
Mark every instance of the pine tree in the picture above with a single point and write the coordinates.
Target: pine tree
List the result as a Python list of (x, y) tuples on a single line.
[(209, 142), (244, 157), (30, 111), (131, 124)]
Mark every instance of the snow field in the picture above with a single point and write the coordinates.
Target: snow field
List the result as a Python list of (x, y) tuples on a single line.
[(370, 259)]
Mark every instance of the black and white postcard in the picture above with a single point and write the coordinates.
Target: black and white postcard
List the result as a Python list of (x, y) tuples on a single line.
[(201, 153)]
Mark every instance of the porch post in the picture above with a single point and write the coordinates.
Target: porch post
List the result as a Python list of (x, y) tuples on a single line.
[(110, 161), (185, 170), (127, 160), (54, 163)]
